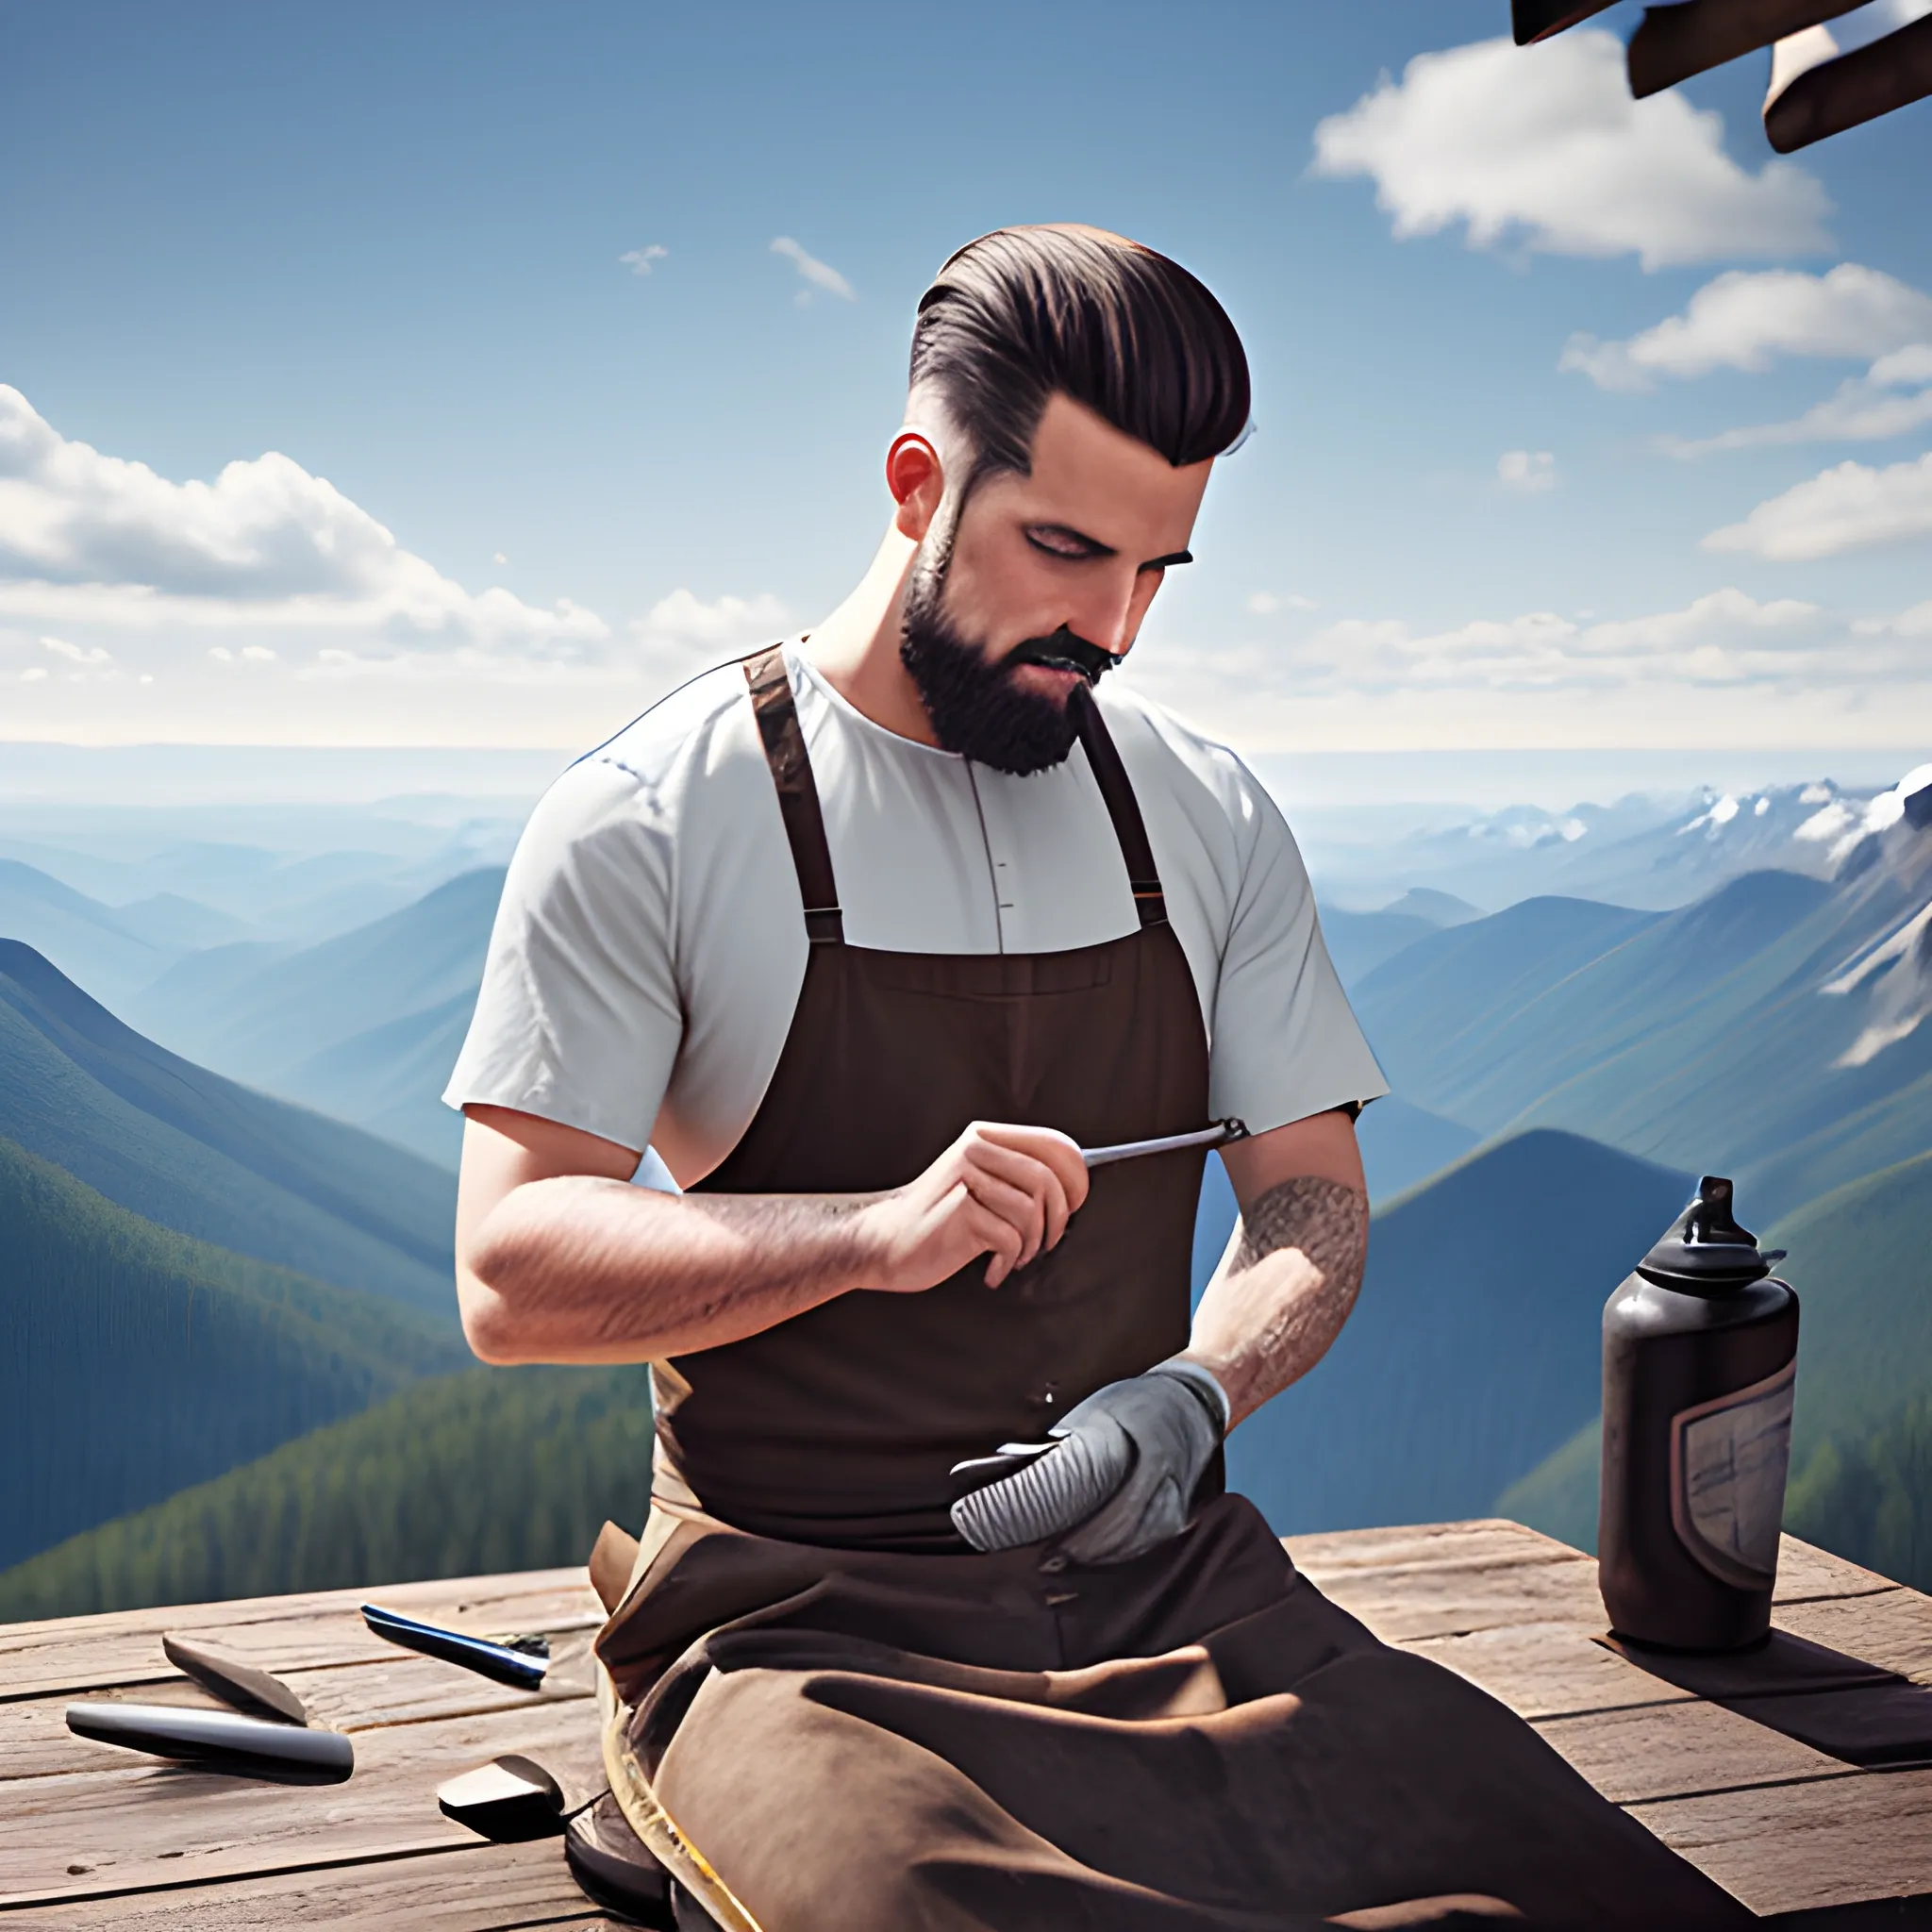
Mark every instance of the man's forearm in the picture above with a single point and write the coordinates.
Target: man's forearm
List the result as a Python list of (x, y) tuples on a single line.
[(1283, 1290), (582, 1269)]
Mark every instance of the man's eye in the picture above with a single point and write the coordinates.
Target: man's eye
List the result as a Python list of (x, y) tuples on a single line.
[(1059, 543)]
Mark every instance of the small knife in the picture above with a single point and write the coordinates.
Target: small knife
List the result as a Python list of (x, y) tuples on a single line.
[(497, 1661), (1218, 1134), (233, 1681)]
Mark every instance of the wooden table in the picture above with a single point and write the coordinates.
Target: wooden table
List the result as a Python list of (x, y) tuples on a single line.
[(90, 1835)]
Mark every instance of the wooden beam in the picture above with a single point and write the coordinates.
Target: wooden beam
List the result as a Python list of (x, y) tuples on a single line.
[(148, 1825), (1672, 44), (474, 1888)]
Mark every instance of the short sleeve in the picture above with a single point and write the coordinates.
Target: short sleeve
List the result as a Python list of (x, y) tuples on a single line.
[(1285, 1041), (578, 1020)]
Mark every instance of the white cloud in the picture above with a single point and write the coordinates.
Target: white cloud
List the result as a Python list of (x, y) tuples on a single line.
[(1720, 639), (1267, 602), (1747, 320), (1861, 410), (1526, 473), (640, 261), (1785, 672), (1915, 622), (1849, 507), (684, 619), (96, 541), (817, 274), (1545, 143), (61, 648), (1727, 669), (34, 674)]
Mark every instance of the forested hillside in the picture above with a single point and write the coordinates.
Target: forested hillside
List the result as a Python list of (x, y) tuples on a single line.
[(135, 1361), (487, 1469), (192, 1151)]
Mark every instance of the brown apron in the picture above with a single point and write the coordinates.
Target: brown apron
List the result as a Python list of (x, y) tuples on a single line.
[(826, 1714)]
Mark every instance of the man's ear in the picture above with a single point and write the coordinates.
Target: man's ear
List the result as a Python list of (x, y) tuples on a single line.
[(916, 479)]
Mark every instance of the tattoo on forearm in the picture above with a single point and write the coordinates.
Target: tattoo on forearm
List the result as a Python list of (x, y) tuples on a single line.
[(1326, 1221), (1283, 1294)]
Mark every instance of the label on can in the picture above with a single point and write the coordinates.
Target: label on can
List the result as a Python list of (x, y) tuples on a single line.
[(1728, 1462)]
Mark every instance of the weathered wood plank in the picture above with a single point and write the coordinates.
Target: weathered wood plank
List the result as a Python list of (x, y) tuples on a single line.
[(399, 1688), (282, 1633), (1673, 1750), (1783, 1847), (1806, 1573), (1409, 1603), (66, 1836), (1889, 1627), (1783, 1825), (473, 1887), (1482, 1540), (1547, 1670)]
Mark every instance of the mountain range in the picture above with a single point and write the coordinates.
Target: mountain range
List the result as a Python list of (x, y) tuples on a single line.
[(206, 1156), (1645, 850), (224, 1256), (1770, 1030), (364, 1026)]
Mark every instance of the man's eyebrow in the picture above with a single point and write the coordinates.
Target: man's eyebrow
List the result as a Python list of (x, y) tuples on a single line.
[(1094, 548)]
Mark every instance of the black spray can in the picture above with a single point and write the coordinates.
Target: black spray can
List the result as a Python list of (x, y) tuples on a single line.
[(1700, 1353)]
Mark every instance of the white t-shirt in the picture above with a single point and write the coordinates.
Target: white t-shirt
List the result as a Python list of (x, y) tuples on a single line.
[(649, 949)]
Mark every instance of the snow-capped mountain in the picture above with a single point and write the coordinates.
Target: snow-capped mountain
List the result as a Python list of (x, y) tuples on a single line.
[(1774, 1027), (1646, 851)]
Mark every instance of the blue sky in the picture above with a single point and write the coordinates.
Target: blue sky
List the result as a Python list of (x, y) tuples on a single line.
[(387, 244)]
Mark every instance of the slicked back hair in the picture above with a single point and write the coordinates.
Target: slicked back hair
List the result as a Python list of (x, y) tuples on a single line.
[(1023, 312)]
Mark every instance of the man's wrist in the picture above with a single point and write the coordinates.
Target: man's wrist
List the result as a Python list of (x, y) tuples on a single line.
[(1203, 1384)]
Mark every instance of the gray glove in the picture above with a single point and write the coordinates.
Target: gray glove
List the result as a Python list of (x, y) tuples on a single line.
[(1122, 1466)]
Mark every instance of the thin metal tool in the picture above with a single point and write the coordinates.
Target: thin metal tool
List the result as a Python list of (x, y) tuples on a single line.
[(496, 1661), (217, 1739), (1218, 1134)]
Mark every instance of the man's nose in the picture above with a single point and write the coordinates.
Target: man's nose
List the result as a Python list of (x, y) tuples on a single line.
[(1102, 613)]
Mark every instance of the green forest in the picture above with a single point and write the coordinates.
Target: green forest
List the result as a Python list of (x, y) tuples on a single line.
[(144, 1359), (485, 1470)]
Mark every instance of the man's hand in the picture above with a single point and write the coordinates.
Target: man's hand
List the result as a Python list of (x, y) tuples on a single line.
[(559, 1260), (1004, 1190), (1123, 1468)]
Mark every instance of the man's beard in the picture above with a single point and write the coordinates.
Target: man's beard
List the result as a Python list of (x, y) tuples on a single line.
[(978, 709)]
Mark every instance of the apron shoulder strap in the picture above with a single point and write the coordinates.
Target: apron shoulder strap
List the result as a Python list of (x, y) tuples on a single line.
[(1117, 791), (776, 711)]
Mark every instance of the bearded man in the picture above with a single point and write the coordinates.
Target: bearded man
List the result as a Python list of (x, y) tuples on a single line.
[(941, 1617)]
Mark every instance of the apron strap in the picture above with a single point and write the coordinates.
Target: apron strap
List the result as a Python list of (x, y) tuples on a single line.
[(776, 711), (1110, 775)]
